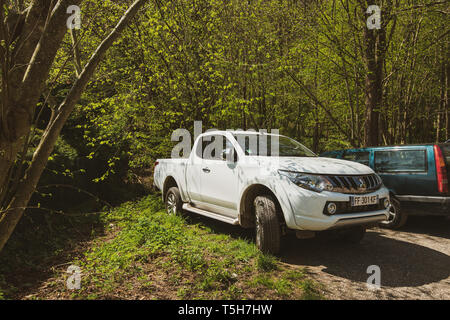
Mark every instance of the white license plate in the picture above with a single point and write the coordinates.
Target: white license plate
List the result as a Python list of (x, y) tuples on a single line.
[(363, 200)]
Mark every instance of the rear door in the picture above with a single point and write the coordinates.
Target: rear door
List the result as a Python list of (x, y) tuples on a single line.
[(405, 170)]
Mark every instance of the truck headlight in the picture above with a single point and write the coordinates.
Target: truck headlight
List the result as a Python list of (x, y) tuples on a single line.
[(312, 182)]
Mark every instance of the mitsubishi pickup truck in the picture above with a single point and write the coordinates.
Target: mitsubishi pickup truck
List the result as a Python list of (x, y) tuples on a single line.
[(273, 184)]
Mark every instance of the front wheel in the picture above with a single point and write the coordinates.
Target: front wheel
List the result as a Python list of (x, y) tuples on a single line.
[(268, 229), (397, 217), (173, 201)]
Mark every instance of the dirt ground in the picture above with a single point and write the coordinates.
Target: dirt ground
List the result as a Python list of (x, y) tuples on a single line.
[(414, 262)]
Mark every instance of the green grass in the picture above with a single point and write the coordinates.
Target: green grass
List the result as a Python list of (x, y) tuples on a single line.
[(266, 263), (149, 254)]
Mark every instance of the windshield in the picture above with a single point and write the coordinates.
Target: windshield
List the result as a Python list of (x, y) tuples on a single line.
[(266, 145)]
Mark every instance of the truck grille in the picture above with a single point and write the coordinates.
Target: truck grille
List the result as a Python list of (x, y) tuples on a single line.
[(355, 184)]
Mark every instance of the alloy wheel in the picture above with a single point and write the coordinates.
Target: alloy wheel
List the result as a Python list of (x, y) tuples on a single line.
[(171, 204)]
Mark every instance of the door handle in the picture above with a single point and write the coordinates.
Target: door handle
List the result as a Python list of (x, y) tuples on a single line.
[(206, 170)]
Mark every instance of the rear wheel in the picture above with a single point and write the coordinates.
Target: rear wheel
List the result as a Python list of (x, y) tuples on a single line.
[(173, 201), (397, 217), (268, 229)]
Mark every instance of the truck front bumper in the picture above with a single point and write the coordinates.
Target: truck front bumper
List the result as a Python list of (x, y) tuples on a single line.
[(308, 210), (340, 220)]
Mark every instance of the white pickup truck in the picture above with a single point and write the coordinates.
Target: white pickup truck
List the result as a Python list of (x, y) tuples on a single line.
[(274, 184)]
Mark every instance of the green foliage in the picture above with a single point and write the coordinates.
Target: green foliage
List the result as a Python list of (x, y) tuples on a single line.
[(232, 64), (235, 64), (266, 263), (186, 254)]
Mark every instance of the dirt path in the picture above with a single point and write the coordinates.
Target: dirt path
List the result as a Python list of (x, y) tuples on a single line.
[(414, 262)]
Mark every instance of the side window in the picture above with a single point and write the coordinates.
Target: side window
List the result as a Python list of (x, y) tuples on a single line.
[(401, 161), (361, 157), (215, 147), (229, 153), (249, 144), (200, 147)]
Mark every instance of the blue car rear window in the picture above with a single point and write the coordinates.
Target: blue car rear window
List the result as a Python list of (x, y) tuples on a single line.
[(400, 161)]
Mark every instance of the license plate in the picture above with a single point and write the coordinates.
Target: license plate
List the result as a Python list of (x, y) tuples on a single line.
[(363, 200)]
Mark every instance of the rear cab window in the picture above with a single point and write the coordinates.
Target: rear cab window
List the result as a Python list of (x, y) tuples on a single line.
[(332, 154), (393, 161), (362, 157)]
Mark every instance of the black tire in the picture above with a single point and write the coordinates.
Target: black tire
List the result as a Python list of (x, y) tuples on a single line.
[(173, 201), (397, 217), (353, 235), (268, 229)]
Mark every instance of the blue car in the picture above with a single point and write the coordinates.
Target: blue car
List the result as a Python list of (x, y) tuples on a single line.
[(416, 176)]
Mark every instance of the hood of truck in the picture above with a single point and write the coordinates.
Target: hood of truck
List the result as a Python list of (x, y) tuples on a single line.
[(317, 165)]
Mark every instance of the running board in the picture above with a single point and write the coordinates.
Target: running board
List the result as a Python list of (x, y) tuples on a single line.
[(211, 215)]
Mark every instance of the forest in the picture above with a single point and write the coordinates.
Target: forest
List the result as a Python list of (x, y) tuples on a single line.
[(86, 110)]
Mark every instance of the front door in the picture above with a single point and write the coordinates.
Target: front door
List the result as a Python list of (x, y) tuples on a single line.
[(219, 177), (194, 175)]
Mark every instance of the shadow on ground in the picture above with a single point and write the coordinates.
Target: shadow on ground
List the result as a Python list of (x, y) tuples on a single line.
[(432, 226), (402, 264), (42, 241)]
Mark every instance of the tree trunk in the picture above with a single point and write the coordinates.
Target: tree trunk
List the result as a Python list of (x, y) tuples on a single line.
[(14, 211), (374, 56), (443, 113), (25, 69)]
